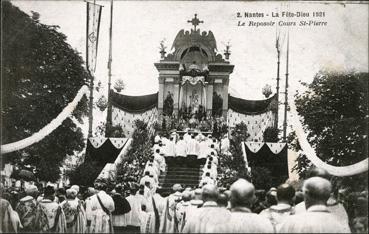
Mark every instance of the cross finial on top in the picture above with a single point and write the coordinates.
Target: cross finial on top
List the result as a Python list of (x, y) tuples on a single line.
[(195, 21)]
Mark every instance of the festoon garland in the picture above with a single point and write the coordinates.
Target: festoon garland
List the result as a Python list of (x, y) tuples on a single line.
[(49, 128), (350, 170)]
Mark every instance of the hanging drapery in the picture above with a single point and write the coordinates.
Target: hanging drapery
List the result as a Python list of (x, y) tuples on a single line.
[(254, 146), (193, 79), (350, 170), (97, 142), (276, 148), (49, 128)]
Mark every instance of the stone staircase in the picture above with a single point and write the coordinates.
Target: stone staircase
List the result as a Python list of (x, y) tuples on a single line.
[(180, 173)]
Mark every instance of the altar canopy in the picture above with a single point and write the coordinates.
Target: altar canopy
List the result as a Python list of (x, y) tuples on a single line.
[(126, 109)]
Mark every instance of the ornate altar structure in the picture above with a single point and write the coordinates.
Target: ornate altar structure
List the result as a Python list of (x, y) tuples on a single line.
[(193, 74)]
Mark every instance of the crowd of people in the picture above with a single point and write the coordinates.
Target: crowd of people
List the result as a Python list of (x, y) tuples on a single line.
[(143, 207), (205, 209)]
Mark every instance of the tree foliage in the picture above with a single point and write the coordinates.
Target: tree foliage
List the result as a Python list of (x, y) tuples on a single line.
[(42, 73), (335, 110), (131, 167), (232, 166), (271, 134)]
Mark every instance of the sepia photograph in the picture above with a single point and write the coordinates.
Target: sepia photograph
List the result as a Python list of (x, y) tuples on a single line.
[(160, 116)]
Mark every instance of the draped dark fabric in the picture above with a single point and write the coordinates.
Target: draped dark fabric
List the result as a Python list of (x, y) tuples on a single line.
[(134, 104), (276, 163), (249, 106), (106, 153)]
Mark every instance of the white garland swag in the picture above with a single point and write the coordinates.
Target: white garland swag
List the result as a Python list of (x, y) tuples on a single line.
[(350, 170), (49, 128)]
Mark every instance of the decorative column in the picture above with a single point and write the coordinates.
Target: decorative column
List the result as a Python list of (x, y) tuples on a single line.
[(209, 99), (225, 98), (161, 96)]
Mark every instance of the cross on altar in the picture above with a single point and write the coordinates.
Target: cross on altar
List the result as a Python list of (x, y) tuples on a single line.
[(195, 21)]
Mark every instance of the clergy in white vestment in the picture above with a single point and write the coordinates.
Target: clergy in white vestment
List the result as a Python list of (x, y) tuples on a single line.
[(215, 143), (200, 137), (212, 150), (211, 170), (168, 220), (242, 220), (181, 147), (102, 205), (75, 215), (213, 159), (156, 147), (209, 218), (165, 146), (203, 150), (207, 180), (280, 212), (133, 217), (152, 173), (193, 147), (224, 144), (209, 139), (157, 138), (170, 148), (160, 160), (146, 179), (152, 165), (187, 136), (317, 218)]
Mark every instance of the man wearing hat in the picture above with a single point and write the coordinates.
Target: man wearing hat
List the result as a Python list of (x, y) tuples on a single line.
[(168, 222), (26, 209)]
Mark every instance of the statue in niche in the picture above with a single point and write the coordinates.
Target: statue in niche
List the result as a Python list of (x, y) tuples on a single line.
[(217, 104), (168, 104), (194, 102)]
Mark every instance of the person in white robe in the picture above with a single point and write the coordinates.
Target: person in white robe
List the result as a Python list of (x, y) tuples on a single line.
[(200, 137), (187, 136), (165, 146), (170, 148), (168, 220), (209, 217), (157, 138), (225, 144), (278, 213), (133, 217), (147, 180), (203, 150), (209, 139), (212, 159), (181, 148), (210, 170), (157, 147), (193, 147), (216, 144), (242, 220), (152, 166), (160, 160), (74, 212), (317, 218), (207, 180), (102, 205)]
